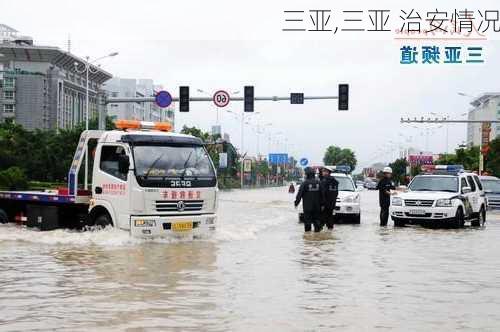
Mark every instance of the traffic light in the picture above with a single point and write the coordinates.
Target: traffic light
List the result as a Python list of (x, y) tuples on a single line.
[(183, 99), (343, 97), (249, 98)]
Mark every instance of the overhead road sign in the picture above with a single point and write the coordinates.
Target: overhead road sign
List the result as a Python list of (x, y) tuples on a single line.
[(163, 99), (221, 98)]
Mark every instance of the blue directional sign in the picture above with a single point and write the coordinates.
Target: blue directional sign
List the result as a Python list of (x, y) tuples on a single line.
[(163, 99), (278, 158), (304, 162)]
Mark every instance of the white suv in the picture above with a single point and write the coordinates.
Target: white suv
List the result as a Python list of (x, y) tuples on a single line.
[(446, 196), (348, 200), (347, 208)]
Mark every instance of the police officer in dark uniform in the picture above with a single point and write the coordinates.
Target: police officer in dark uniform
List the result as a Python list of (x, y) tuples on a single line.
[(329, 192), (384, 187), (310, 194)]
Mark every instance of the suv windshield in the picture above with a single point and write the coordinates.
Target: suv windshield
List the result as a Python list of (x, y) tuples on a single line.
[(172, 162), (491, 186), (345, 184), (434, 183)]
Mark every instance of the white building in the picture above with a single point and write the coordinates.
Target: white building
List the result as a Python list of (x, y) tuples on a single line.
[(130, 88), (487, 108)]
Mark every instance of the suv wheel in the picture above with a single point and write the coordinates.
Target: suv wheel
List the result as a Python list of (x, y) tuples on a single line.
[(459, 219), (481, 218)]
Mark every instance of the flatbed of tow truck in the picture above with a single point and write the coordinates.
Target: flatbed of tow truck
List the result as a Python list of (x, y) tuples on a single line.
[(46, 196)]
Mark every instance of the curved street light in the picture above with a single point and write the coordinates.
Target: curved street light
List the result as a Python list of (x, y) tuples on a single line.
[(87, 68)]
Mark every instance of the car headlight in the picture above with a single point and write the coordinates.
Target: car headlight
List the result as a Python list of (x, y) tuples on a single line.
[(351, 199), (144, 223), (444, 202), (397, 201)]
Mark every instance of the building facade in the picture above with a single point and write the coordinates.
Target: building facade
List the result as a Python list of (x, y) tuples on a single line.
[(41, 87), (485, 108), (131, 88)]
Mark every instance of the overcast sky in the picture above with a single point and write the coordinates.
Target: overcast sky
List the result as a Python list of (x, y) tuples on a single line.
[(213, 45)]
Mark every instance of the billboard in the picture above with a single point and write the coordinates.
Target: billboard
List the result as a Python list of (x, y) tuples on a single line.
[(420, 159), (247, 165)]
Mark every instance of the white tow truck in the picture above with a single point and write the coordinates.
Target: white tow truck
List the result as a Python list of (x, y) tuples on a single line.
[(444, 195), (145, 179)]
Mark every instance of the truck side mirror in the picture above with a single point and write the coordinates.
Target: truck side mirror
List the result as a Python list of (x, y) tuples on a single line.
[(123, 164), (466, 190)]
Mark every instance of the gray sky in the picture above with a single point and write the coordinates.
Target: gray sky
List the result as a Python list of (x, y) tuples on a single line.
[(200, 45)]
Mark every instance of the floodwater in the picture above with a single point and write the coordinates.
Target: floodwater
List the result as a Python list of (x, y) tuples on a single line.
[(258, 273)]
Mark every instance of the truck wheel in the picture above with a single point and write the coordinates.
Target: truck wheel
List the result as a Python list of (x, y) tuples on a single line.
[(481, 218), (3, 217), (459, 220), (102, 221), (398, 222)]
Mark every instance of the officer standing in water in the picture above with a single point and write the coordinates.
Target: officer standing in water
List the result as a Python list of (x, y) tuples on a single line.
[(310, 194), (329, 192), (384, 187)]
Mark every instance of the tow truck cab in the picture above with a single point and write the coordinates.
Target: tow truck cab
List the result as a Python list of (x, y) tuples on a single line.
[(152, 183), (443, 195)]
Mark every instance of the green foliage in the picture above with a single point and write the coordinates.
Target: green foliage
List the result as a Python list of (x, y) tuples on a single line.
[(468, 157), (399, 170), (337, 156), (492, 160), (42, 155), (415, 170), (225, 176), (13, 178)]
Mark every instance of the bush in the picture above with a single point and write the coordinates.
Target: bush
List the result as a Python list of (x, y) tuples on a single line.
[(13, 178)]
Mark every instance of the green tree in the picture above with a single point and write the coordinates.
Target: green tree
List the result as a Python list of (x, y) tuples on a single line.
[(399, 170), (492, 160), (334, 155), (13, 178), (468, 157)]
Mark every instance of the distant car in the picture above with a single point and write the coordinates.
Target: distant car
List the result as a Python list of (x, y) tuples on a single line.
[(371, 185), (491, 185), (347, 209), (360, 184)]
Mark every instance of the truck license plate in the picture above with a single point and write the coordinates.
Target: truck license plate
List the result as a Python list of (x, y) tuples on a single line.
[(182, 226), (417, 212)]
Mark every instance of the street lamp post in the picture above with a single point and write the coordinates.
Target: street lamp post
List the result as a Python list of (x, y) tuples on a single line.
[(88, 69), (481, 159)]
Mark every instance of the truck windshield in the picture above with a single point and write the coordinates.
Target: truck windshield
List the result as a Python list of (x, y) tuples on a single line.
[(153, 161), (434, 183), (345, 184), (491, 186)]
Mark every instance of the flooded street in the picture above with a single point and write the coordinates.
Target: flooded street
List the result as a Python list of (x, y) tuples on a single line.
[(259, 272)]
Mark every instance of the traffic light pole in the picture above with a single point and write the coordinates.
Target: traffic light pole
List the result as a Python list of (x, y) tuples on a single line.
[(264, 98)]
